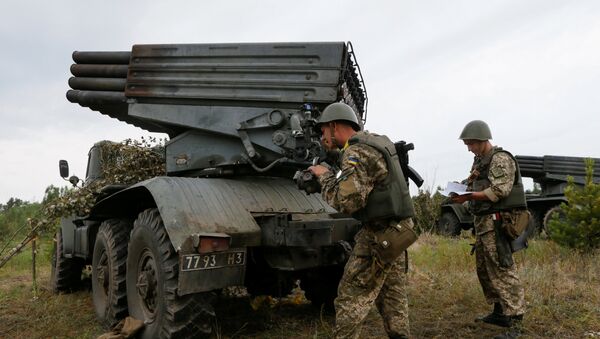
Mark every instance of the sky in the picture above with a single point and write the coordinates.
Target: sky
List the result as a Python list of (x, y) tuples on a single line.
[(530, 69)]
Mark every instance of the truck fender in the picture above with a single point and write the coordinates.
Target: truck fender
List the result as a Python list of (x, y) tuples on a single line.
[(192, 206)]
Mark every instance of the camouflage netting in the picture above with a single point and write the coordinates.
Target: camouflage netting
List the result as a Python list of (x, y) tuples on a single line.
[(124, 163)]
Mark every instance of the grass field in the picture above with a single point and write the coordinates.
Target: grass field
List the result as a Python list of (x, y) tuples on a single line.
[(562, 293)]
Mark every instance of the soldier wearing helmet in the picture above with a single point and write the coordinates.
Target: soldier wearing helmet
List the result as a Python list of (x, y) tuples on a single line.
[(497, 199), (371, 187)]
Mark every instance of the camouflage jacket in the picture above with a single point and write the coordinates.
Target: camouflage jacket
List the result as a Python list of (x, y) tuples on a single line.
[(361, 168), (501, 175)]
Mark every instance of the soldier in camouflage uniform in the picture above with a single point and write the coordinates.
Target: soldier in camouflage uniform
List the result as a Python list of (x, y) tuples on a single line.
[(497, 194), (363, 168)]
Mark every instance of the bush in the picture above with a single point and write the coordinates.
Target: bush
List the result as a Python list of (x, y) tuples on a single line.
[(577, 225), (427, 210), (14, 217)]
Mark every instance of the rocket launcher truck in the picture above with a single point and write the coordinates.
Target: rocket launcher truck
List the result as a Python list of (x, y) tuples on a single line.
[(241, 121)]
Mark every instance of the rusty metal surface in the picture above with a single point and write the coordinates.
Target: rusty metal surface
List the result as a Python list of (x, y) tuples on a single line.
[(193, 205), (280, 72), (235, 75)]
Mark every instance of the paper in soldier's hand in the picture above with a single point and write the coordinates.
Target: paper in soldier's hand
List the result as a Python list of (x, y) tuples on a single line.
[(454, 189)]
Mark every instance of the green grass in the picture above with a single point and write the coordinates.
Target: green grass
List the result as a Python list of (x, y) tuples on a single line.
[(562, 291), (48, 316)]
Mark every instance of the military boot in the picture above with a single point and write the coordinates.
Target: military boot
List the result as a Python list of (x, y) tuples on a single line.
[(496, 317)]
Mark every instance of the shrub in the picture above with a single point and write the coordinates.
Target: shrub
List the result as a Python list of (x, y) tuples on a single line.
[(427, 210), (577, 225)]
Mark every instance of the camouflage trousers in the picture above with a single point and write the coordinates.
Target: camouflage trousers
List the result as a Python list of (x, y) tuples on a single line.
[(499, 284), (366, 283)]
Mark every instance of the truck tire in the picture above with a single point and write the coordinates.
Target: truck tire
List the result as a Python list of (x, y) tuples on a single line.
[(65, 273), (152, 271), (109, 260), (320, 285), (449, 224), (548, 217)]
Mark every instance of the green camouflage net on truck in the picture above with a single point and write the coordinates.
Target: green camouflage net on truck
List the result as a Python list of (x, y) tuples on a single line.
[(123, 163)]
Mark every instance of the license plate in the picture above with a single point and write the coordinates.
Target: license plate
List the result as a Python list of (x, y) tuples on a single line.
[(194, 262)]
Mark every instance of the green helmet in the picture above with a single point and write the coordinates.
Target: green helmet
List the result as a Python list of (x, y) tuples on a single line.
[(339, 111), (477, 130)]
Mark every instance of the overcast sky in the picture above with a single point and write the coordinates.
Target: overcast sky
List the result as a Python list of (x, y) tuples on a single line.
[(531, 69)]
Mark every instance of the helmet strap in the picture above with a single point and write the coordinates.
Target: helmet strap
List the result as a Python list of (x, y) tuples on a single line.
[(332, 133)]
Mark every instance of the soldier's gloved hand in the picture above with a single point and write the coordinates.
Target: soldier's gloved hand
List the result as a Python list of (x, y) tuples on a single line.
[(318, 170), (307, 182)]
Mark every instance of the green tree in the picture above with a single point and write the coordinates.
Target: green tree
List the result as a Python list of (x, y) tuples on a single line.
[(52, 192), (12, 202), (577, 225), (14, 217)]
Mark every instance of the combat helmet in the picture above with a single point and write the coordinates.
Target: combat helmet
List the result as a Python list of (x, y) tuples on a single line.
[(339, 111), (476, 130)]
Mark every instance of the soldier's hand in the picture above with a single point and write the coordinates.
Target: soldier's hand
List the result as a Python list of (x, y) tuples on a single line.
[(459, 199), (318, 170)]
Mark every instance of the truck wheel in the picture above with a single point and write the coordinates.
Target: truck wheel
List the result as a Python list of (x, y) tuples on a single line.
[(320, 285), (548, 217), (152, 271), (449, 224), (109, 291), (65, 273)]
